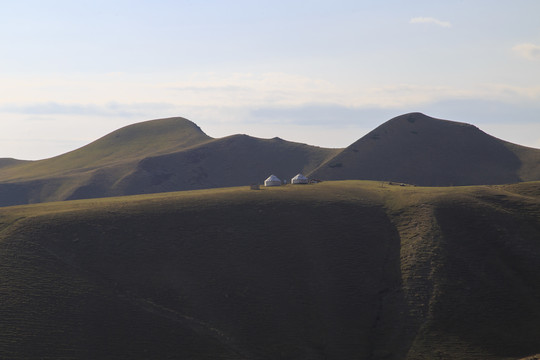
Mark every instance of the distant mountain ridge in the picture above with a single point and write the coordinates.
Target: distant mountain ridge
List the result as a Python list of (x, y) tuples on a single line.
[(421, 150), (175, 154)]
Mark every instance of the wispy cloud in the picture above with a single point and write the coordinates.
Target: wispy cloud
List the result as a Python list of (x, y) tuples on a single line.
[(205, 89), (527, 51), (430, 20)]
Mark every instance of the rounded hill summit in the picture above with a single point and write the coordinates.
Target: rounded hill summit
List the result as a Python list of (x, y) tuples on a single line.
[(417, 149)]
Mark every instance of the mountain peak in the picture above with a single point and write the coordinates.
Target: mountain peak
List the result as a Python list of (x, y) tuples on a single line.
[(420, 119), (418, 149), (152, 136), (128, 144), (178, 125)]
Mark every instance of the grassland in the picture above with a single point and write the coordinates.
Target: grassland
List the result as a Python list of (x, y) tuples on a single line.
[(337, 270)]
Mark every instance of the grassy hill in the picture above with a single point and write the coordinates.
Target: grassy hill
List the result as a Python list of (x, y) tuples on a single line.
[(5, 162), (175, 154), (101, 162), (337, 270), (128, 144), (417, 149), (152, 156)]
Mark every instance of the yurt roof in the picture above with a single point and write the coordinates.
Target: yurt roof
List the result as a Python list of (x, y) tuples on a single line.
[(272, 178), (299, 176)]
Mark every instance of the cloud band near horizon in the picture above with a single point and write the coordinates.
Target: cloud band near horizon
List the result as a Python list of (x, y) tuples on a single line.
[(430, 20)]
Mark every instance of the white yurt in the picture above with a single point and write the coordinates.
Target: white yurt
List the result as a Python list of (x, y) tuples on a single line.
[(299, 179), (272, 180)]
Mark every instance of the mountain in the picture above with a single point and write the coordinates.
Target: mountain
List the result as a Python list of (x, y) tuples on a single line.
[(153, 156), (175, 154), (418, 149), (102, 161), (124, 146), (337, 270)]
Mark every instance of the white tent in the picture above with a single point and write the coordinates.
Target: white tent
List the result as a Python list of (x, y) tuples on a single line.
[(299, 179), (272, 180)]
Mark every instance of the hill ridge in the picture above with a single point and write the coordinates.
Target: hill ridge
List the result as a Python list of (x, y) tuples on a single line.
[(417, 149), (175, 154), (128, 142)]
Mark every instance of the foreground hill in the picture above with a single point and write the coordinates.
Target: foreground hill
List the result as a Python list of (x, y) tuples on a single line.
[(418, 149), (338, 270)]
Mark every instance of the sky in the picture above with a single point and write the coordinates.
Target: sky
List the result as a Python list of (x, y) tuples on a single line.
[(318, 72)]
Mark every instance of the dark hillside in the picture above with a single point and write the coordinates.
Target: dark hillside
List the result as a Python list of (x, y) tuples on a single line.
[(492, 261), (338, 270), (54, 310), (230, 161), (417, 149), (484, 273)]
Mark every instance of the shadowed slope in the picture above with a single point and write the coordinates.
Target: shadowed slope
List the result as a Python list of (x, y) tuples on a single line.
[(418, 149), (338, 270), (530, 161), (215, 262), (230, 161), (481, 271), (5, 162), (490, 252)]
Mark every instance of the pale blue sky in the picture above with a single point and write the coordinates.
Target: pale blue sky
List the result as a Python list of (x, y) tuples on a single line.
[(320, 72)]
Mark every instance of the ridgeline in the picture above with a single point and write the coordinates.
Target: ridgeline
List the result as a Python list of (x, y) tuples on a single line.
[(175, 154)]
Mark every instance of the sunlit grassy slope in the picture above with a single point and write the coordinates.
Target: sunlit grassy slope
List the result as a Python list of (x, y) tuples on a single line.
[(124, 145), (6, 162), (337, 270), (99, 163)]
